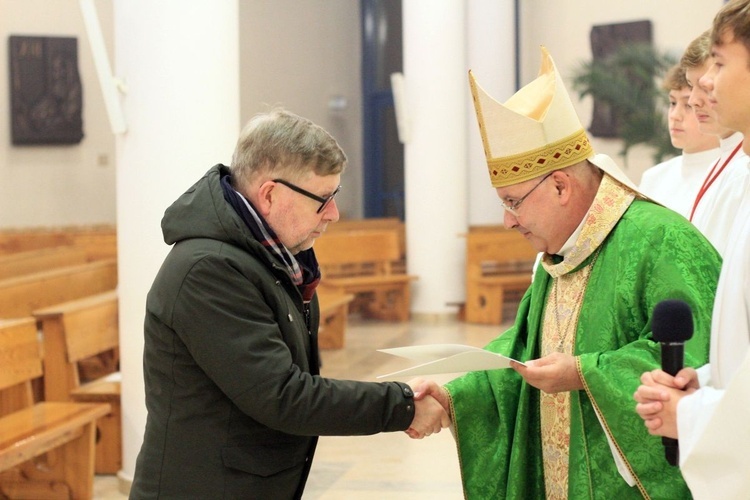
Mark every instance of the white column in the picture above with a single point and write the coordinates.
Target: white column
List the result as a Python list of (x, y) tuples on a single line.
[(435, 155), (491, 55), (180, 62)]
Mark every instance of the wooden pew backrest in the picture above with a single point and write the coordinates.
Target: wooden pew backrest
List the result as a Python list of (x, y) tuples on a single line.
[(21, 295), (21, 362), (376, 224), (502, 246), (376, 248), (85, 330), (369, 224), (47, 448), (362, 263), (498, 260), (73, 331), (99, 242), (43, 259), (334, 307)]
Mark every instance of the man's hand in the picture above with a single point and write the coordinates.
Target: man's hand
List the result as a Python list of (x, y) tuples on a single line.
[(429, 418), (432, 408), (658, 396), (422, 388), (553, 373)]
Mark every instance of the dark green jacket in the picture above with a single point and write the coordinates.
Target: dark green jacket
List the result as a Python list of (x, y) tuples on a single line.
[(235, 402)]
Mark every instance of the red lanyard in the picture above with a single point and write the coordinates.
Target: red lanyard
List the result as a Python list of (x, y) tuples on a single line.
[(712, 177)]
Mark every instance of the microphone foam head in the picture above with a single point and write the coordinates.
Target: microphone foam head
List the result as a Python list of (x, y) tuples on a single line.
[(672, 321)]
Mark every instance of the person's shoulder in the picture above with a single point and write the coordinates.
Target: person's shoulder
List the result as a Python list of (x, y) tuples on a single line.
[(213, 250), (656, 221), (669, 164), (649, 225), (738, 168), (653, 174), (651, 210)]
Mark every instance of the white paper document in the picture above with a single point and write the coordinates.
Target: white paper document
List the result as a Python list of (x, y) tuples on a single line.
[(446, 358)]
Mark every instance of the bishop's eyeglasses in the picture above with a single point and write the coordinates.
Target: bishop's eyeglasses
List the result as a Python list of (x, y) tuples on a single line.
[(513, 207)]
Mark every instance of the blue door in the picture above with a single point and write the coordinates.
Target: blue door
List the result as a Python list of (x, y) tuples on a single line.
[(383, 153)]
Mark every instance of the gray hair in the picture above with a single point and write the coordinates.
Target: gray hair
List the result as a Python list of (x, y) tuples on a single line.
[(282, 144)]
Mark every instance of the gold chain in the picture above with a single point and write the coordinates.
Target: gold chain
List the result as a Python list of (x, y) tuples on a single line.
[(564, 334)]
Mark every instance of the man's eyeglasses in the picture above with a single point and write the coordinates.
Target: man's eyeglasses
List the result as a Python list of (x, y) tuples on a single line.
[(513, 207), (324, 202)]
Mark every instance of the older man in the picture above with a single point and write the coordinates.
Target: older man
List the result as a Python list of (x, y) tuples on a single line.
[(234, 394), (562, 425)]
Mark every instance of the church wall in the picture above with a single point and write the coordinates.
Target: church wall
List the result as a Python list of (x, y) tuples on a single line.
[(297, 53)]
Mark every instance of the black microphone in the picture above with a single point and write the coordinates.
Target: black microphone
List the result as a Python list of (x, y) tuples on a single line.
[(672, 325)]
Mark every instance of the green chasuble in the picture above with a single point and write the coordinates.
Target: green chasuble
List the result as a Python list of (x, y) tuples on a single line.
[(651, 254)]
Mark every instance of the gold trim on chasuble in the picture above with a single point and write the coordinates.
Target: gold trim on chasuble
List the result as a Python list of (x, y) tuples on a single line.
[(564, 302)]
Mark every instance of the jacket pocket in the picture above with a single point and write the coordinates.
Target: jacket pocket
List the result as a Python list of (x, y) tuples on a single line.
[(265, 459)]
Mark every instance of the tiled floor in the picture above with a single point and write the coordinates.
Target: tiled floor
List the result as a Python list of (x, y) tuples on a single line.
[(385, 466)]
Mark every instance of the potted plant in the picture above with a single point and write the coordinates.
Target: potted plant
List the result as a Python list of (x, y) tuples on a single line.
[(625, 89)]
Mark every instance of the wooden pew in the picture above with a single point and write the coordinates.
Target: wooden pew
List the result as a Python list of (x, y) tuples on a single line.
[(73, 332), (334, 309), (361, 263), (377, 224), (366, 224), (21, 295), (43, 259), (498, 261), (46, 449), (99, 242), (13, 241)]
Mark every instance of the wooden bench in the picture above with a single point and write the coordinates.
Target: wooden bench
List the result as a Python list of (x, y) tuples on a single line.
[(372, 223), (43, 259), (361, 263), (498, 261), (21, 295), (46, 449), (99, 242), (334, 309), (74, 332), (377, 224)]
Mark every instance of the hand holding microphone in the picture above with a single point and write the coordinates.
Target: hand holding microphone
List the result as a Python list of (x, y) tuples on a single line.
[(672, 325)]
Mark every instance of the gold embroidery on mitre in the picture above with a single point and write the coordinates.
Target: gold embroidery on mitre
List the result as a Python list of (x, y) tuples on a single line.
[(528, 165), (534, 132)]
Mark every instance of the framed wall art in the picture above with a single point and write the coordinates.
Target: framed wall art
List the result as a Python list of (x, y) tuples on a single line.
[(45, 90)]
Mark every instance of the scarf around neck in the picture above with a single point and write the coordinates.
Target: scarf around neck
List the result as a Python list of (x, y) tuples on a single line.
[(302, 268)]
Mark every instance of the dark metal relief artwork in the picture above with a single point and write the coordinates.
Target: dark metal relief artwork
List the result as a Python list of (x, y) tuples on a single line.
[(45, 90)]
